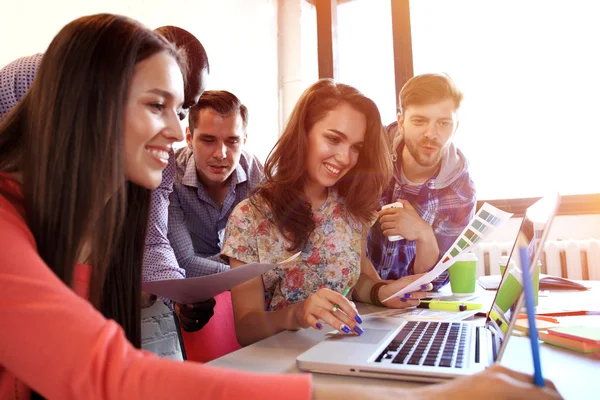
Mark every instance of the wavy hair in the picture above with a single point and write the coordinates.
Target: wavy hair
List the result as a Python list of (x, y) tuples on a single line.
[(285, 168)]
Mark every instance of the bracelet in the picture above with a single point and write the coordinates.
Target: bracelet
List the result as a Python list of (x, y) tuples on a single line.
[(375, 294)]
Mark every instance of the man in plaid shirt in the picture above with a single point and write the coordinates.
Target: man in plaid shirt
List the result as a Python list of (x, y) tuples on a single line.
[(431, 180)]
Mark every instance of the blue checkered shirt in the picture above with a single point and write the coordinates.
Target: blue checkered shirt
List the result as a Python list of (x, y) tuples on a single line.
[(448, 210), (160, 261), (196, 222)]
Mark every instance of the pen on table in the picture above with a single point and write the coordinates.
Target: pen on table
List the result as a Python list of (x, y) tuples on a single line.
[(346, 291), (569, 313), (448, 305)]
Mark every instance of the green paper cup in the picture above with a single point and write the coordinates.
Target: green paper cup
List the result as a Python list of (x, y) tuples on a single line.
[(535, 277), (535, 282), (463, 275), (503, 262), (509, 291)]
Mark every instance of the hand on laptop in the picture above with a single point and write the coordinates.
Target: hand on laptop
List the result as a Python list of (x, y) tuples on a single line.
[(409, 299), (331, 307), (193, 317)]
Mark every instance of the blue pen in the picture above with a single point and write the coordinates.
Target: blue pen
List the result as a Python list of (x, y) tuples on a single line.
[(538, 380)]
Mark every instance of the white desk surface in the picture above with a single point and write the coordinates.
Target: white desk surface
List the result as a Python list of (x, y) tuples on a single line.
[(575, 374)]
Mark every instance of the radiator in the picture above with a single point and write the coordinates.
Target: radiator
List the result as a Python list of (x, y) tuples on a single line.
[(573, 259)]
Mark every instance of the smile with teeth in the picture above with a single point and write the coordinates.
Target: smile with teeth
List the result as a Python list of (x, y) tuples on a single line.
[(331, 169), (161, 154)]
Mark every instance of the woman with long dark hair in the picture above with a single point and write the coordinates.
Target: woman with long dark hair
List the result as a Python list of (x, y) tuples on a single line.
[(78, 156)]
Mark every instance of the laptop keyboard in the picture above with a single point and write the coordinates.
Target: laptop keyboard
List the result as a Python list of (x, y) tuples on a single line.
[(440, 344)]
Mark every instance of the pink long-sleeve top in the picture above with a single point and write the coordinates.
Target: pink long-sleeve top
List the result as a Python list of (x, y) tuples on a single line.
[(54, 341)]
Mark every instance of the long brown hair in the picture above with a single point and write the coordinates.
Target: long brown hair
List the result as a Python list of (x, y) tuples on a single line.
[(285, 168), (65, 141)]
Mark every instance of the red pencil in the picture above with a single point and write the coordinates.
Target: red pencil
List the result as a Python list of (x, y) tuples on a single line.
[(569, 313)]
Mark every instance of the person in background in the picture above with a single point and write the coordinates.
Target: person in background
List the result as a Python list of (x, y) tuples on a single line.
[(214, 173), (72, 232), (431, 179), (15, 79), (159, 258)]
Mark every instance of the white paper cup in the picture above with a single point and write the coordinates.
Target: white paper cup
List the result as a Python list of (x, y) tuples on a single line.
[(393, 238)]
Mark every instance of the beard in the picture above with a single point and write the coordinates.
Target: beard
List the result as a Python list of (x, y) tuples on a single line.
[(425, 160)]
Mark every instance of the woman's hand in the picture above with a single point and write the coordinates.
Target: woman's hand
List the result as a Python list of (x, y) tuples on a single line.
[(496, 382), (409, 299), (320, 307)]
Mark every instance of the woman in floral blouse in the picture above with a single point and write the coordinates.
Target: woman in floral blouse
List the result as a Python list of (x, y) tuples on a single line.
[(324, 179)]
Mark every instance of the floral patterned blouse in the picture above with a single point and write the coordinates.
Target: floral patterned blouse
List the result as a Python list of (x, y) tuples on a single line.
[(331, 257)]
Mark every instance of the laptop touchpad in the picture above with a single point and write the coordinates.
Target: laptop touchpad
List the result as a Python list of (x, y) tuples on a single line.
[(370, 336)]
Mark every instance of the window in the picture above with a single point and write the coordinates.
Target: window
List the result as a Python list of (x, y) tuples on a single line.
[(530, 76), (365, 52)]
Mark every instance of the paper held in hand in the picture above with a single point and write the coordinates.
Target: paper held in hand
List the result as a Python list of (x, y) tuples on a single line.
[(202, 288), (487, 219)]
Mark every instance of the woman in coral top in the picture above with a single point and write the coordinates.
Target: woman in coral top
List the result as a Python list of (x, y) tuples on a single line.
[(78, 156)]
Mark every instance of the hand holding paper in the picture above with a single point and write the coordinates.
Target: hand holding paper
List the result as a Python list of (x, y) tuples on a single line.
[(202, 288), (487, 219), (408, 299)]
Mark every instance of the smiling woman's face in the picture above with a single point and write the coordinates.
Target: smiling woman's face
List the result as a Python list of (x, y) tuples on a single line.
[(334, 144), (151, 118)]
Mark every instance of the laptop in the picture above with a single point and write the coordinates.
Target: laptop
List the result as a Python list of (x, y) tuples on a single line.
[(395, 348)]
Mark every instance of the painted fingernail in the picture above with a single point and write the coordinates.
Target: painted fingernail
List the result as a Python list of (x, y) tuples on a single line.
[(424, 287), (319, 325), (403, 300), (358, 330), (345, 329), (358, 319), (407, 296)]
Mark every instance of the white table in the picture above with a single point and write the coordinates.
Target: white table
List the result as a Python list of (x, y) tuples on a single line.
[(575, 375)]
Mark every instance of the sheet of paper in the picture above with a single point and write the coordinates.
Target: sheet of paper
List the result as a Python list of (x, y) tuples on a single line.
[(487, 219), (194, 290), (424, 314)]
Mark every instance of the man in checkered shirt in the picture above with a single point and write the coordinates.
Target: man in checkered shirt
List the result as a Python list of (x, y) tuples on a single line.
[(431, 180), (214, 174)]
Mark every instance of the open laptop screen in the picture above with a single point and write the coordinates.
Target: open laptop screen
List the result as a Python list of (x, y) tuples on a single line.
[(533, 231)]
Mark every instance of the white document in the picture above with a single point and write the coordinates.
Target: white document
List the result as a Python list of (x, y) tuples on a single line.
[(487, 219), (202, 288), (424, 314)]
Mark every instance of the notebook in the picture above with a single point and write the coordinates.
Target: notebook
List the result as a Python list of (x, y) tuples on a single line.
[(579, 338), (434, 351)]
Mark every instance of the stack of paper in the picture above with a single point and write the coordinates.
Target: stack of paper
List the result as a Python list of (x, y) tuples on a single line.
[(579, 338)]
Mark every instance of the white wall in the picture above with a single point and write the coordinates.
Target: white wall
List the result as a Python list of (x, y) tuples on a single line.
[(240, 37), (298, 57)]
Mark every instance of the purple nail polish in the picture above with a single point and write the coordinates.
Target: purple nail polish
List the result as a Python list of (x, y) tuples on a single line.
[(423, 287), (358, 330), (345, 329), (358, 319), (407, 296), (319, 325), (403, 300)]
